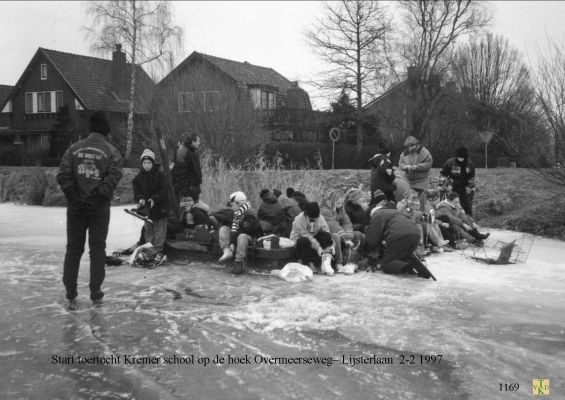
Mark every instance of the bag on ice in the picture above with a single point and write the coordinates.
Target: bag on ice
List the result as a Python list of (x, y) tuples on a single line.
[(294, 272)]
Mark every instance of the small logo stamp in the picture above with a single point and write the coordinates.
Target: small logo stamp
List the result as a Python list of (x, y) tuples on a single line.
[(540, 387)]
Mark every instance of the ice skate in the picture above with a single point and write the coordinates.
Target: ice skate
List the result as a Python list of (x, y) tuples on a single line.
[(226, 256)]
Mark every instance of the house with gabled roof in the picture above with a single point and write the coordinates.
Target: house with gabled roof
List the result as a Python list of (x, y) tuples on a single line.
[(50, 105), (210, 96)]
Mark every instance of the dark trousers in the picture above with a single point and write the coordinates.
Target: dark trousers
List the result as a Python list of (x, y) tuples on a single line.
[(95, 221), (306, 253), (466, 201), (399, 254)]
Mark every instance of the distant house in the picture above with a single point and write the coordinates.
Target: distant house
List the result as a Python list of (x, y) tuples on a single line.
[(50, 105), (203, 84), (395, 110)]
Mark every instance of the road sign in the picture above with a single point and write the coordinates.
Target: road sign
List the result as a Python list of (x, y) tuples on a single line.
[(335, 134)]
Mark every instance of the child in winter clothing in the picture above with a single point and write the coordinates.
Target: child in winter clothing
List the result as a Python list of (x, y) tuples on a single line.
[(382, 173), (150, 192), (340, 226), (313, 239), (270, 212), (243, 228), (357, 208), (461, 226)]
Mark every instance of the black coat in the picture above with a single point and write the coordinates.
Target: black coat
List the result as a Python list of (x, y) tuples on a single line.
[(186, 172), (382, 174), (151, 185), (461, 173), (271, 210)]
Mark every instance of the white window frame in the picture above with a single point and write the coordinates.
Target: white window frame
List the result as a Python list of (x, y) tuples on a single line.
[(35, 100), (183, 104), (43, 72)]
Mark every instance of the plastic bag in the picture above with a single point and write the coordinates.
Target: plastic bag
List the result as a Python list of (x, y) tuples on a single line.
[(294, 272)]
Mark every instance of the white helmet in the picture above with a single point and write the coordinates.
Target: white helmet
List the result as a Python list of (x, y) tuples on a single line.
[(238, 197)]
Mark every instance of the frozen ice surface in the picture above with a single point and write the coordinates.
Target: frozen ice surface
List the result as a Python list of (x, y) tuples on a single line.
[(491, 324)]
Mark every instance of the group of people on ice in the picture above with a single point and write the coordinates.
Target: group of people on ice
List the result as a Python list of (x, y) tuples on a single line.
[(389, 228)]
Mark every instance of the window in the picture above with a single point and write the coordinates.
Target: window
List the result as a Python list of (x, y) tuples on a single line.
[(198, 101), (263, 99), (43, 102), (29, 103), (43, 71)]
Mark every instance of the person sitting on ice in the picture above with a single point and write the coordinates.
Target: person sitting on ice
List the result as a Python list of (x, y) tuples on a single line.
[(340, 226), (357, 209), (244, 227), (393, 238), (313, 240), (290, 211), (270, 212), (150, 193), (431, 225), (461, 226)]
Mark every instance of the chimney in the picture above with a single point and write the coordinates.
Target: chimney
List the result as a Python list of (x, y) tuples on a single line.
[(411, 74), (120, 75), (294, 84)]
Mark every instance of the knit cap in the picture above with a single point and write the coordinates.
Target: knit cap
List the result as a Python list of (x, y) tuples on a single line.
[(147, 155), (238, 197)]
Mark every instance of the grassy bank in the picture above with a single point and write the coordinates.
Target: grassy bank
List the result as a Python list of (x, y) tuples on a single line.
[(507, 198)]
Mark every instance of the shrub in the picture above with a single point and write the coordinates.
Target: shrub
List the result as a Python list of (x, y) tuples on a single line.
[(25, 186)]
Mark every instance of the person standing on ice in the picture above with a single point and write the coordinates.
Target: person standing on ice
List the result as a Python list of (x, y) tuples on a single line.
[(150, 192), (416, 161), (89, 172), (461, 171), (186, 173)]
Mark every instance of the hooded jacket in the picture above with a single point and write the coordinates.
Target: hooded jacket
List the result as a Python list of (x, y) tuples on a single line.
[(336, 218), (382, 173), (151, 185), (422, 160), (270, 210), (90, 167)]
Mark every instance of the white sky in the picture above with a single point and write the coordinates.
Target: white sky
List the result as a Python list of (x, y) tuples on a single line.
[(267, 33)]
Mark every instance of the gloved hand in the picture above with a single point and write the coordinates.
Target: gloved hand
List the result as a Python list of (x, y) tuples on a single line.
[(97, 199)]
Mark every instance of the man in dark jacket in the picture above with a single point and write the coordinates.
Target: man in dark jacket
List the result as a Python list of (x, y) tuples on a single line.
[(89, 172), (186, 173), (461, 171), (398, 237), (382, 173)]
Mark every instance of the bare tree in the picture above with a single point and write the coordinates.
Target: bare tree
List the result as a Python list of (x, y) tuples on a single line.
[(550, 91), (347, 39), (432, 29), (221, 114), (145, 31), (493, 73)]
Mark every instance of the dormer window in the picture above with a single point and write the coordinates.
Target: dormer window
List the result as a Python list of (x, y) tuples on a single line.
[(43, 71)]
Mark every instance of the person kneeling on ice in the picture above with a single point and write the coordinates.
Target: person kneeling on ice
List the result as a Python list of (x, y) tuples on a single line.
[(461, 226), (244, 227), (313, 240), (396, 236), (150, 192)]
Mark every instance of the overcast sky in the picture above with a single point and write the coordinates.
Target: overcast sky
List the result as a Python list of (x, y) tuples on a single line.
[(263, 33)]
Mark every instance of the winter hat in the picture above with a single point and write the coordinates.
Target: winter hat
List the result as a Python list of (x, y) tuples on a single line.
[(147, 155), (462, 152), (238, 197), (99, 123), (289, 192), (295, 194), (378, 196), (312, 210), (263, 193), (277, 193), (410, 140)]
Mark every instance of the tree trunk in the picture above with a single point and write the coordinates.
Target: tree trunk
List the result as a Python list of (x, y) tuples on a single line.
[(131, 104)]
